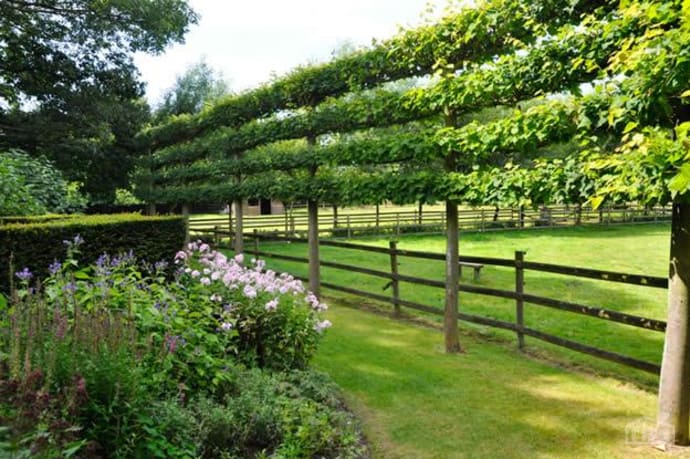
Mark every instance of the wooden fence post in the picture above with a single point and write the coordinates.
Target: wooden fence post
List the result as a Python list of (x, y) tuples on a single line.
[(292, 225), (519, 302), (286, 224), (395, 284), (397, 223), (185, 214), (256, 243), (420, 213), (239, 227), (377, 218), (230, 221), (349, 228)]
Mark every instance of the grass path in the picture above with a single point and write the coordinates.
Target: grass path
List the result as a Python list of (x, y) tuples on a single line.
[(491, 402)]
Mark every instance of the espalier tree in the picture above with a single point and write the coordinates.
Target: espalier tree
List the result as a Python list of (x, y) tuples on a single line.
[(525, 103)]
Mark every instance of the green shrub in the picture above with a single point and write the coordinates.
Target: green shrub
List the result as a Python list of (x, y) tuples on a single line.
[(71, 378), (273, 322), (8, 220), (15, 196), (37, 245), (120, 359), (293, 414), (32, 185)]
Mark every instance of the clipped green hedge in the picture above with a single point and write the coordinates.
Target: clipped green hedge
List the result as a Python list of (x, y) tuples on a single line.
[(6, 220), (37, 245)]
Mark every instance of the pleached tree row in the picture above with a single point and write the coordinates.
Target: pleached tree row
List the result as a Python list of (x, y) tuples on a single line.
[(515, 102)]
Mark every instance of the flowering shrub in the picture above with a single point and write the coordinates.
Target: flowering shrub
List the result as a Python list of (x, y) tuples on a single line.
[(270, 319), (71, 379), (112, 360)]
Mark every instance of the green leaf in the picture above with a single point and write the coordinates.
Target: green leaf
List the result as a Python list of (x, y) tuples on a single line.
[(82, 275), (596, 201), (629, 127), (680, 183)]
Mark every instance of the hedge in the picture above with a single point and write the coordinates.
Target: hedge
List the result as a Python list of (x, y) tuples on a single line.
[(37, 245), (6, 220)]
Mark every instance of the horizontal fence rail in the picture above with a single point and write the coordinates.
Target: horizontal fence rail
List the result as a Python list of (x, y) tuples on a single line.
[(518, 294), (431, 221)]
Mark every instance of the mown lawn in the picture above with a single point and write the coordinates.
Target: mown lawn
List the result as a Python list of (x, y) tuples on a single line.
[(641, 249), (490, 402)]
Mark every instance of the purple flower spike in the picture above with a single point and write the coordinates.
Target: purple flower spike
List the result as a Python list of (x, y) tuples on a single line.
[(24, 275), (101, 261), (54, 267)]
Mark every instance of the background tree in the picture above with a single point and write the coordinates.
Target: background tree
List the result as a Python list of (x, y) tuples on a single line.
[(199, 85), (69, 89)]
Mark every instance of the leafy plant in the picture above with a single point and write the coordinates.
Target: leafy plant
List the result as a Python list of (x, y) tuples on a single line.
[(43, 188), (269, 320)]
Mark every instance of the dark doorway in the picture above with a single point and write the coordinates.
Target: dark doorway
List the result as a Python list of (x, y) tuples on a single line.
[(265, 207)]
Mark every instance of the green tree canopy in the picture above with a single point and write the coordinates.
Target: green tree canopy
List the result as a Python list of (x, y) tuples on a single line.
[(68, 84), (52, 49), (198, 86)]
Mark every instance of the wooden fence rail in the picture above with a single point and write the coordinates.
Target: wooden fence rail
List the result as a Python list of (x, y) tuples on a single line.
[(480, 219), (518, 293)]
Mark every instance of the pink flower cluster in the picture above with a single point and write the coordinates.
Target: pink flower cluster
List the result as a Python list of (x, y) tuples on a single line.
[(218, 270)]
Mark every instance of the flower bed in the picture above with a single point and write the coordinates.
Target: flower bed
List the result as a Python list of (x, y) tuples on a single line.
[(205, 357)]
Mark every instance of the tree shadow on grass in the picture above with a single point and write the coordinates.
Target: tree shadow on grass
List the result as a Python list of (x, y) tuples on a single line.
[(489, 402)]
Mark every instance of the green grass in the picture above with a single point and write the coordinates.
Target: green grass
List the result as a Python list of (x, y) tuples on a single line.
[(490, 402), (641, 249)]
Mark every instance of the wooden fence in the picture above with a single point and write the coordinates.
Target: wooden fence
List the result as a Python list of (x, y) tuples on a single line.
[(518, 294), (430, 221)]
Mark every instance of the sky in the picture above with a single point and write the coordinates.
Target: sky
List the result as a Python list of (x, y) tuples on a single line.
[(248, 41)]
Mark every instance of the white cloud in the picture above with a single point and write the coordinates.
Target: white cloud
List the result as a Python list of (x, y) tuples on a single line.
[(248, 40)]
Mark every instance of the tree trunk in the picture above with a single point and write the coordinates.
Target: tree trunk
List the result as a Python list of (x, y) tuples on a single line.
[(239, 226), (450, 319), (314, 262), (335, 216), (313, 235), (229, 224), (674, 385)]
